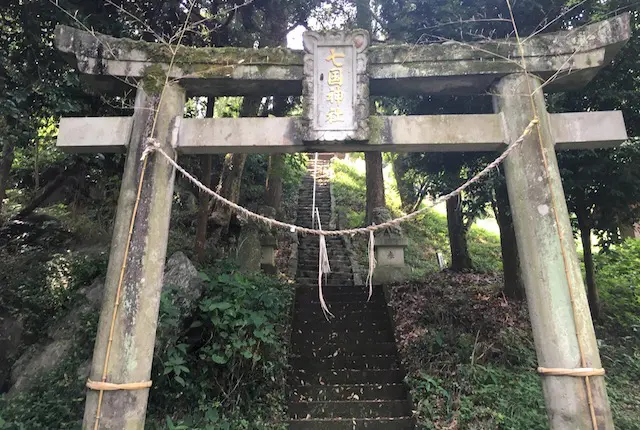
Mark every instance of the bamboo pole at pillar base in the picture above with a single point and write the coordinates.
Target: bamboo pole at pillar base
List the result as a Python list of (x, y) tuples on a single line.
[(125, 350), (559, 311)]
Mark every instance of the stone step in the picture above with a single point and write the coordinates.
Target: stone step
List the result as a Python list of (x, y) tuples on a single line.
[(334, 275), (342, 308), (313, 283), (308, 259), (313, 242), (330, 283), (350, 409), (311, 276), (302, 323), (342, 295), (337, 349), (307, 199), (367, 316), (321, 393), (316, 337), (345, 376), (311, 270), (400, 423), (313, 260), (352, 361), (351, 346), (336, 256)]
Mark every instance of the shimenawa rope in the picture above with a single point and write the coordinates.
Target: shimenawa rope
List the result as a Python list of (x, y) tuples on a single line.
[(153, 146), (323, 261)]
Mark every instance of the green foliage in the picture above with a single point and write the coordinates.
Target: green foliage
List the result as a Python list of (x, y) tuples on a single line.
[(226, 369), (56, 400), (39, 286), (349, 190), (618, 280), (428, 235), (475, 368), (472, 368)]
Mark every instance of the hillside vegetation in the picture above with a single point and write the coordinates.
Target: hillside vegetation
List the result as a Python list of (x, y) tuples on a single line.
[(468, 350)]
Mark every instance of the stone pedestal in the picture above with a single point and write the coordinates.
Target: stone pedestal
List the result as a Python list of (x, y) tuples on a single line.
[(389, 251), (268, 245), (390, 267)]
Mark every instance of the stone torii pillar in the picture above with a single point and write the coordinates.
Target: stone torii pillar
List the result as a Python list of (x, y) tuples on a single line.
[(559, 310), (136, 266), (558, 307)]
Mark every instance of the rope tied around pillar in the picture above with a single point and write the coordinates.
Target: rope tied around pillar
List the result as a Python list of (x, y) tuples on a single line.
[(579, 372), (110, 386)]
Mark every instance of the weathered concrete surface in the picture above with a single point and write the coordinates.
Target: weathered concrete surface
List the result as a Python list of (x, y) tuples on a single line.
[(319, 98), (136, 320), (550, 267), (393, 70), (95, 134), (588, 130), (417, 133), (389, 249)]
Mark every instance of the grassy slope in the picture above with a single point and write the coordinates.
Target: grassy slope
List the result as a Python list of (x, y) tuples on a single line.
[(468, 352)]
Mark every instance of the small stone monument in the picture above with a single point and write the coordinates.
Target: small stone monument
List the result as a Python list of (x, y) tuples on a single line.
[(389, 251), (268, 244)]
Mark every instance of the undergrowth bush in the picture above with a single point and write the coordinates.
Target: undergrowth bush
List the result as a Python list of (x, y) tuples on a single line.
[(470, 356), (38, 286), (227, 369), (618, 281), (224, 370)]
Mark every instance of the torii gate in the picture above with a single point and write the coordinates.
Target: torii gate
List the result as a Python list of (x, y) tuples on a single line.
[(335, 74)]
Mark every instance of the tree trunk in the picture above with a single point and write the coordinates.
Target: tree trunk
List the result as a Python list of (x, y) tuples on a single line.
[(373, 160), (513, 283), (460, 259), (206, 161), (375, 183), (5, 166), (273, 193), (405, 189), (592, 288), (48, 191), (231, 176)]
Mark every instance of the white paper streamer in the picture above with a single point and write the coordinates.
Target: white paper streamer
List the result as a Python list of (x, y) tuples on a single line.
[(372, 263), (324, 268)]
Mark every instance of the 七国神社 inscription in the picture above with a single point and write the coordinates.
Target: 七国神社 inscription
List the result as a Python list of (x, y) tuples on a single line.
[(336, 86)]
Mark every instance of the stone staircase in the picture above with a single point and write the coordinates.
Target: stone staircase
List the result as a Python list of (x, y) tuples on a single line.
[(345, 372)]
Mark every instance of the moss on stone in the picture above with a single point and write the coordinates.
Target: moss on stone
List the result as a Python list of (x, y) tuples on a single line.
[(154, 79), (376, 129), (227, 56)]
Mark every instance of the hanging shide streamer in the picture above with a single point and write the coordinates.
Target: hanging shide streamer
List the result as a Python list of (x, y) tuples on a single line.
[(372, 263), (315, 180), (323, 268)]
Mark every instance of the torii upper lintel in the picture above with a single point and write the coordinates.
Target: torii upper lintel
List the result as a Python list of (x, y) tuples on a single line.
[(575, 56)]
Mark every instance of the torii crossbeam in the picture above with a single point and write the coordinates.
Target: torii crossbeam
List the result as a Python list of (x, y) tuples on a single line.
[(336, 74)]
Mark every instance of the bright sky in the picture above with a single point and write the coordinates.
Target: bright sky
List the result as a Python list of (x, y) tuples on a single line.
[(294, 38)]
